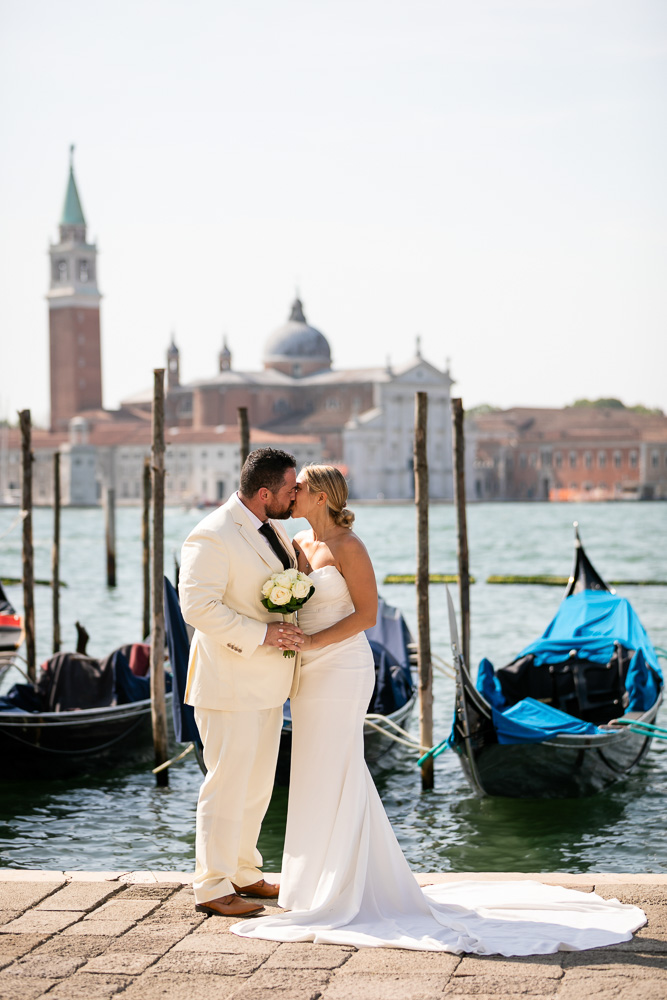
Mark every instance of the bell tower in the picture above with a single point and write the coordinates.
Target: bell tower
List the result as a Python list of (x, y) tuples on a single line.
[(74, 316)]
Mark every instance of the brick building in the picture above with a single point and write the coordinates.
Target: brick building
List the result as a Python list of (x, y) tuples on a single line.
[(578, 453)]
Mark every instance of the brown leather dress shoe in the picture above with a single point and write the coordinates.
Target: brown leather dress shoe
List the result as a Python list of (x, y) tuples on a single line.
[(265, 890), (229, 906)]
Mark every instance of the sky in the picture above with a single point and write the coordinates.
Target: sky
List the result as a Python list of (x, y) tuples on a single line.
[(487, 175)]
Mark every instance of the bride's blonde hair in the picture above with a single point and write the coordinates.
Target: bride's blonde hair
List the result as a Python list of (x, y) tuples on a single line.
[(330, 480)]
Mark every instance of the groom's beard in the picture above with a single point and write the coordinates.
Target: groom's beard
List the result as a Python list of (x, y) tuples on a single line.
[(278, 514)]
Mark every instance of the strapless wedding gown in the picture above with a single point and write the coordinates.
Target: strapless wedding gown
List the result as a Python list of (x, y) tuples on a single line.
[(344, 878)]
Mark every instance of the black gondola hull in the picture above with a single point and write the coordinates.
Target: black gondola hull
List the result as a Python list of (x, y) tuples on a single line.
[(562, 768), (61, 744)]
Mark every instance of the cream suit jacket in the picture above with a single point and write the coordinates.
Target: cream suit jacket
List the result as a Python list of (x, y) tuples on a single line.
[(225, 562)]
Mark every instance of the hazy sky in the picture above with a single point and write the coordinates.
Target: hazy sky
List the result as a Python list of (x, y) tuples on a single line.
[(489, 175)]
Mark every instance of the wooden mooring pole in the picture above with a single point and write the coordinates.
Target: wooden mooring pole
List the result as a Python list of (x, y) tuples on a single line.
[(462, 526), (244, 433), (158, 703), (146, 546), (422, 581), (55, 553), (28, 555), (110, 533)]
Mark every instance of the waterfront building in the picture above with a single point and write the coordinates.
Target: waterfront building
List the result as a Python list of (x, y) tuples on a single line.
[(577, 453)]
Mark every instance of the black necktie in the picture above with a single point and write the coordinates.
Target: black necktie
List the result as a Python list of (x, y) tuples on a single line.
[(269, 533)]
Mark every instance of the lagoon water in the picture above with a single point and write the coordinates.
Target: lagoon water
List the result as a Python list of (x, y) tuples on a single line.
[(120, 820)]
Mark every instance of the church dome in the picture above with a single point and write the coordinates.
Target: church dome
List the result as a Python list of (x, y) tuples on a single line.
[(296, 347)]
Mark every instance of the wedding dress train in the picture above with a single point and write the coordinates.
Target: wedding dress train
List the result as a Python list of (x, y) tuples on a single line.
[(344, 877)]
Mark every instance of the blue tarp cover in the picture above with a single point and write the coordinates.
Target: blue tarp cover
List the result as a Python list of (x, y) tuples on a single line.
[(590, 622), (530, 721)]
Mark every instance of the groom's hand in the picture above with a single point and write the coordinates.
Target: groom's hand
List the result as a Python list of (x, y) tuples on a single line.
[(283, 635)]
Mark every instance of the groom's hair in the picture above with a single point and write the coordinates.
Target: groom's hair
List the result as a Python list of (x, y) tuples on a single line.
[(266, 468)]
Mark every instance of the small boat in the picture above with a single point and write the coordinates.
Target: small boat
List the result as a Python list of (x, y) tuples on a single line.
[(11, 632), (391, 704), (83, 713), (547, 724)]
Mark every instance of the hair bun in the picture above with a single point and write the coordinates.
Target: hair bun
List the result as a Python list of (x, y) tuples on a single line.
[(343, 518)]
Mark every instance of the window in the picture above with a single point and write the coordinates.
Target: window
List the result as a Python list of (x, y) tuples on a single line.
[(83, 270), (588, 462), (62, 270), (602, 459), (532, 459), (633, 459), (558, 459), (617, 459), (522, 461), (546, 459), (573, 459)]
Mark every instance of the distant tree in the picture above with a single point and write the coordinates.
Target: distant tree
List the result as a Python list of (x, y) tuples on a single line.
[(612, 403), (616, 404), (476, 411)]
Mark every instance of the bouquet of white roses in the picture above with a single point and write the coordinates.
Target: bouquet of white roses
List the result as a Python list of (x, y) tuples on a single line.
[(285, 593)]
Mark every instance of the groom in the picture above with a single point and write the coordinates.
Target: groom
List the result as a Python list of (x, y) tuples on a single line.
[(238, 678)]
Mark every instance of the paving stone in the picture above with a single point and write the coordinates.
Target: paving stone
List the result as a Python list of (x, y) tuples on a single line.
[(6, 916), (42, 922), (400, 961), (74, 945), (124, 909), (652, 937), (19, 988), (78, 896), (88, 986), (208, 962), (21, 895), (367, 986), (46, 966), (635, 894), (297, 984), (153, 942), (545, 966), (226, 943), (611, 988), (605, 960), (195, 986), (307, 956), (112, 928), (502, 986), (160, 892), (14, 945), (131, 963)]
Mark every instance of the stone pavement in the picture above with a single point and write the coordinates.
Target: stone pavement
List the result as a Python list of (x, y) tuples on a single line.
[(136, 935)]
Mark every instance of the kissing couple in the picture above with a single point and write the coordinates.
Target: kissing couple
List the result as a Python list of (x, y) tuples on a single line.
[(344, 878)]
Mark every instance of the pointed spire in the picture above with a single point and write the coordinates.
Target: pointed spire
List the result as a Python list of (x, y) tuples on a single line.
[(418, 346), (72, 211), (173, 349), (296, 314)]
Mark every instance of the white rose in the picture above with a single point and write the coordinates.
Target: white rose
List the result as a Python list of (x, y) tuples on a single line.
[(291, 573), (281, 580), (302, 577), (300, 589), (267, 588), (280, 595)]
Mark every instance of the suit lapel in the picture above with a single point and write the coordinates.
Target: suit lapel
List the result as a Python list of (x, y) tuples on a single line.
[(285, 539)]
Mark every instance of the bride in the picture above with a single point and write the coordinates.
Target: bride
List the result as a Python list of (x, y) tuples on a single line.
[(344, 877)]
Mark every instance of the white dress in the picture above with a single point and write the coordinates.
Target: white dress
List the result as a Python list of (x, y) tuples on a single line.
[(344, 877)]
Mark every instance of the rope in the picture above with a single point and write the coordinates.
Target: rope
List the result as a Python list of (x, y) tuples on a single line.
[(642, 728), (174, 760), (80, 752), (408, 742), (22, 514), (434, 751)]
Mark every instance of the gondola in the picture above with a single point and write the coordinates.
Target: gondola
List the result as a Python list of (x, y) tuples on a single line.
[(11, 632), (545, 725), (392, 701), (80, 715)]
